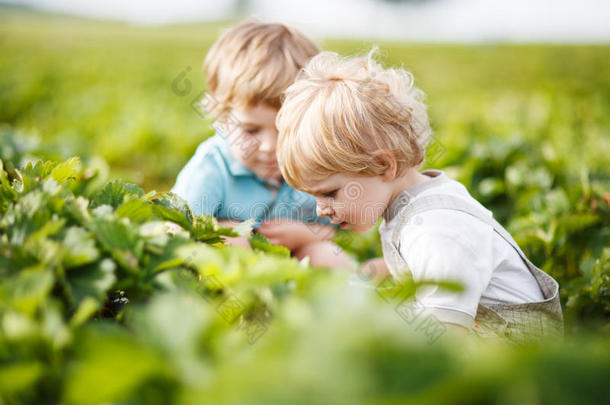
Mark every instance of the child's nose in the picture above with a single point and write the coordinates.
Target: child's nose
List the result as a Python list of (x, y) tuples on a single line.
[(268, 142), (323, 210)]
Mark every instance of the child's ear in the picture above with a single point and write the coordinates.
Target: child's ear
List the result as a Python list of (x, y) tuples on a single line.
[(386, 158)]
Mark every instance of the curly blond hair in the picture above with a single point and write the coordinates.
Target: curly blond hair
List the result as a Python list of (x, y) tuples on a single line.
[(254, 62), (350, 116)]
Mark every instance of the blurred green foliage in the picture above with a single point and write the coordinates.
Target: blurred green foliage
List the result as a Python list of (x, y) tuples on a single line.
[(100, 304)]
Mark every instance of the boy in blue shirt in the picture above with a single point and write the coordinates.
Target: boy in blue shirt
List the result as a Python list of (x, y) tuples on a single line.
[(234, 175)]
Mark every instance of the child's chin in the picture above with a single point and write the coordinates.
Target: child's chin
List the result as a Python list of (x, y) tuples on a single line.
[(269, 175), (358, 228)]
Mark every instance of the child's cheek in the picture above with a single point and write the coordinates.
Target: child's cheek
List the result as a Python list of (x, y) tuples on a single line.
[(249, 146), (352, 212), (244, 146)]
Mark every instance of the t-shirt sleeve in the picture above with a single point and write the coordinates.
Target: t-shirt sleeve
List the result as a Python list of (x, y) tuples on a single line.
[(440, 254), (200, 184)]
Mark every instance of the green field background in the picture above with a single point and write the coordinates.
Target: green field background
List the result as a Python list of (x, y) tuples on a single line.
[(105, 89)]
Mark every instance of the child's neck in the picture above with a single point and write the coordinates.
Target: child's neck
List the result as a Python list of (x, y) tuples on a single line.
[(410, 178)]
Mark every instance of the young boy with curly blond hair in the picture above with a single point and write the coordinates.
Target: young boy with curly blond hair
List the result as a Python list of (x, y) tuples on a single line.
[(354, 135), (234, 175)]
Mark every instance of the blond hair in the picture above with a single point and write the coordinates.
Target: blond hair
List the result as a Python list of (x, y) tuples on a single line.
[(346, 116), (254, 63)]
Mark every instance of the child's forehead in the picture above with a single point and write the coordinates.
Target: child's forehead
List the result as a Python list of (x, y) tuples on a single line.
[(324, 185), (257, 114), (254, 109)]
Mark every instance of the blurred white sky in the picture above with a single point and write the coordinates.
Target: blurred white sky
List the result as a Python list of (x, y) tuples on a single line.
[(435, 20)]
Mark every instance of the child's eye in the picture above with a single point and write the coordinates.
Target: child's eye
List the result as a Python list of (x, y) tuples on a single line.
[(330, 194), (251, 131)]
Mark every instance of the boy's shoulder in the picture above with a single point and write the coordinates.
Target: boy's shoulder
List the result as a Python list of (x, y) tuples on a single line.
[(211, 168), (428, 236), (211, 149), (409, 226), (214, 154)]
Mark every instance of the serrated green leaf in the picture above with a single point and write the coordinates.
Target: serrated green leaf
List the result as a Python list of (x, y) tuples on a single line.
[(115, 193), (66, 170), (171, 215), (176, 209), (39, 169), (114, 234), (207, 229), (136, 210)]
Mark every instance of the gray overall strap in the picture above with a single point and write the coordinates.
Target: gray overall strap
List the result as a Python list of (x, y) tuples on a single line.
[(443, 201)]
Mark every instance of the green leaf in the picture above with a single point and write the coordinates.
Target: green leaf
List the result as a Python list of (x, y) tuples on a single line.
[(79, 248), (172, 207), (136, 210), (87, 308), (445, 285), (168, 257), (66, 170), (115, 193), (110, 364), (207, 229), (19, 376), (94, 280), (7, 194), (114, 234), (261, 243), (121, 240), (573, 223), (46, 251), (171, 215), (54, 225), (174, 322), (39, 169), (28, 289), (491, 187), (77, 209)]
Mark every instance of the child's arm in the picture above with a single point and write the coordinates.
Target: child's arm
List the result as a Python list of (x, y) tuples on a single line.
[(293, 233)]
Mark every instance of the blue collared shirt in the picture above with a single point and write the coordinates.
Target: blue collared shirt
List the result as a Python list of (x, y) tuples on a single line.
[(215, 183)]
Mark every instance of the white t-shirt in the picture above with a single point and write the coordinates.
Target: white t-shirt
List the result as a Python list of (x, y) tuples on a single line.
[(444, 244)]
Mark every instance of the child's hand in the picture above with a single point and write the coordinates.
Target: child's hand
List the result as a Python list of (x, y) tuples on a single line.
[(293, 234), (236, 241), (375, 270)]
